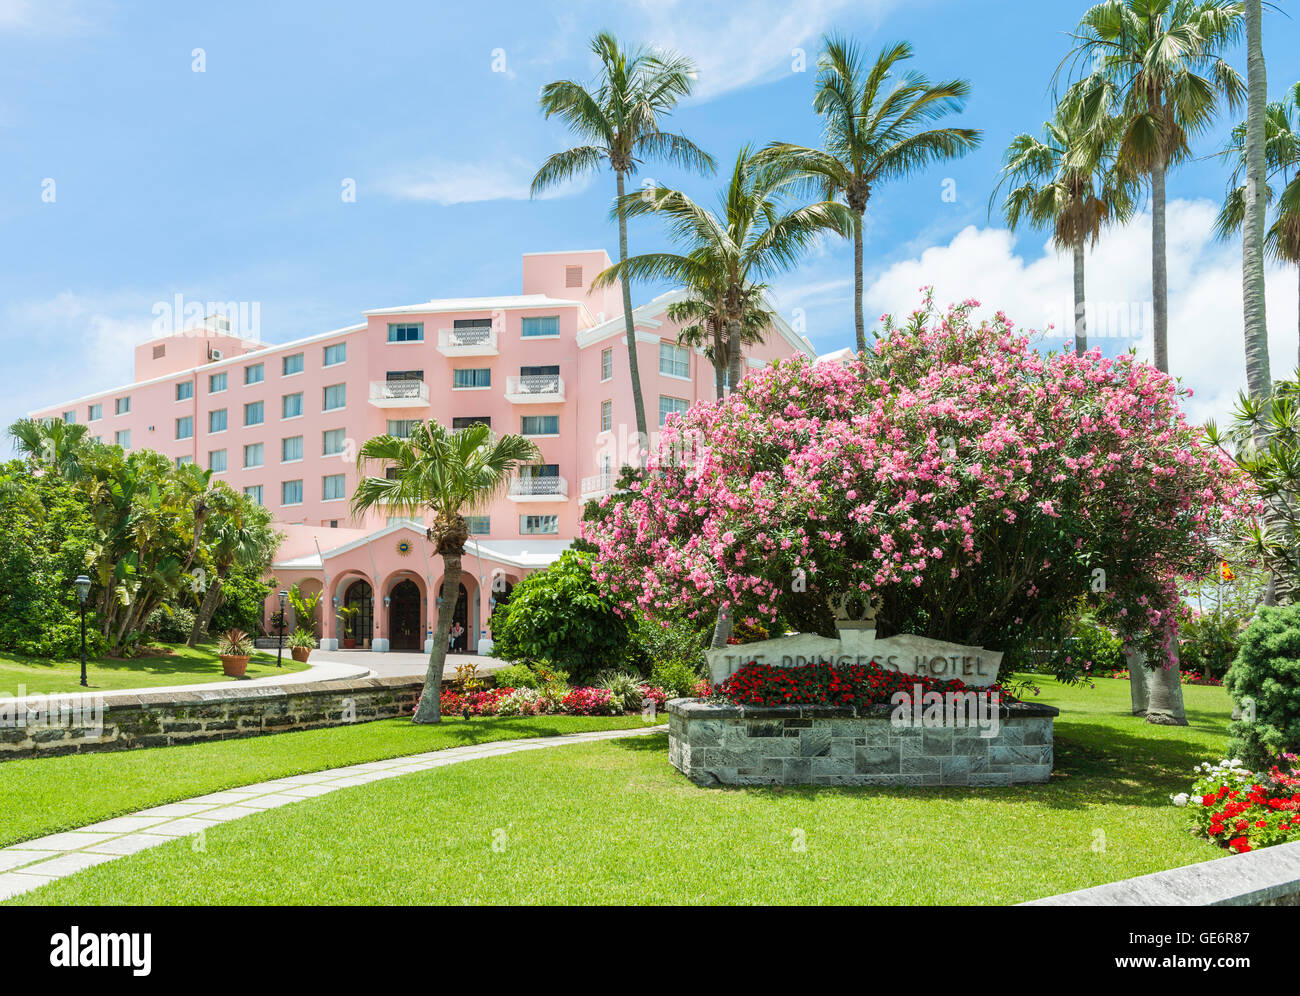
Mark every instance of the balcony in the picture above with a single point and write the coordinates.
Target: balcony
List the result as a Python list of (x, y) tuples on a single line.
[(467, 342), (538, 489), (535, 389), (399, 394), (597, 485)]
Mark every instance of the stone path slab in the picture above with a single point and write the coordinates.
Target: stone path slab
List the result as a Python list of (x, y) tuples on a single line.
[(37, 862)]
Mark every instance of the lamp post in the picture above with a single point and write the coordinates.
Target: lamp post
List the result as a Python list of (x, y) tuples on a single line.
[(279, 651), (83, 591)]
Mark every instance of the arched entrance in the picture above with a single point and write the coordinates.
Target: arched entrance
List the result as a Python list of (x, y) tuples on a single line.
[(359, 624), (459, 616), (404, 617)]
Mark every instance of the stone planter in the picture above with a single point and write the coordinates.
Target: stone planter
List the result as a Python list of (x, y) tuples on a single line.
[(234, 667), (722, 744), (300, 654)]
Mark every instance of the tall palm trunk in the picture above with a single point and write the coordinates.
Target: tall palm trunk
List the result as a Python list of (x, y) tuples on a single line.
[(735, 352), (1258, 378), (430, 710), (1159, 268), (859, 326), (211, 599), (1165, 695), (633, 367), (1080, 313), (719, 362), (1137, 680)]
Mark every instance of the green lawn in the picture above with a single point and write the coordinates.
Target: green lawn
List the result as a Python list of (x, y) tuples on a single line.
[(44, 795), (613, 823), (183, 666)]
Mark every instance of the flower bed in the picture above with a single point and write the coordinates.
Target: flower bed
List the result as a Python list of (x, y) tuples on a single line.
[(849, 685), (1240, 810), (580, 701), (1186, 677)]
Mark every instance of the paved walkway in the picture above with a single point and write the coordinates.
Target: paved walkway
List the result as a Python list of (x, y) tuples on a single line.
[(35, 862), (401, 662)]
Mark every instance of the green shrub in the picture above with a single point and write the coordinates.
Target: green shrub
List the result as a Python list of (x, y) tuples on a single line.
[(558, 616), (675, 677), (1264, 680), (243, 597), (1208, 643), (517, 676), (671, 657), (170, 624)]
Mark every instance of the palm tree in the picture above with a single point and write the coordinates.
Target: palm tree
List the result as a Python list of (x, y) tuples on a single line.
[(448, 474), (1281, 161), (239, 535), (705, 328), (875, 130), (724, 258), (1157, 67), (50, 444), (618, 119), (1067, 180), (1255, 323)]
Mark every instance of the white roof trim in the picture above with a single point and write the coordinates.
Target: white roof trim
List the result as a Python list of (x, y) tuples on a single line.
[(510, 301), (522, 553)]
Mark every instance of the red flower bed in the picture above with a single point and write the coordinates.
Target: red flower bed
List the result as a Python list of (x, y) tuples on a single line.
[(1241, 810), (1186, 677), (850, 685)]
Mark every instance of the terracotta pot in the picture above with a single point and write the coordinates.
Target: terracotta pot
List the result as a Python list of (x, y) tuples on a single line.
[(300, 654), (234, 667), (349, 643)]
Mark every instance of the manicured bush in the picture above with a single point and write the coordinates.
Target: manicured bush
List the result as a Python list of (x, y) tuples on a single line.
[(560, 617), (517, 676), (1264, 680), (170, 624)]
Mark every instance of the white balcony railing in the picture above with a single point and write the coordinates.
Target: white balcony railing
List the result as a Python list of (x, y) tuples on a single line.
[(539, 489), (535, 389), (468, 342), (399, 393), (597, 485)]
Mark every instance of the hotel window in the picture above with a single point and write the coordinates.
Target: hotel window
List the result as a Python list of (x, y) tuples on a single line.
[(401, 428), (253, 455), (674, 361), (123, 438), (290, 449), (669, 405), (606, 416), (607, 364), (185, 390), (465, 421), (69, 418), (185, 427), (217, 461), (122, 406), (333, 487), (539, 425), (184, 461), (254, 374), (538, 327), (336, 354), (254, 413), (254, 491), (292, 365), (478, 525), (336, 396), (406, 332), (94, 413), (539, 525), (217, 420), (291, 493), (333, 442), (291, 405), (471, 377), (218, 382)]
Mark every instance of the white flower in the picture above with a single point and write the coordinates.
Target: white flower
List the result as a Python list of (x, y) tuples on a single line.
[(1180, 799), (1236, 762)]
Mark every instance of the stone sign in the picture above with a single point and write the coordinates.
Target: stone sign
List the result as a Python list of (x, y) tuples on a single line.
[(908, 654)]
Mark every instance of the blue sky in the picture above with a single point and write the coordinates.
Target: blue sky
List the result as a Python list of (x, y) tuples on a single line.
[(226, 184)]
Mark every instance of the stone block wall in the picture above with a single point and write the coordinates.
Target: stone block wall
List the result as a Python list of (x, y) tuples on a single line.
[(720, 744), (126, 721)]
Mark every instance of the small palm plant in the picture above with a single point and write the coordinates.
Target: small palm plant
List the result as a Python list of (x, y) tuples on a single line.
[(446, 473)]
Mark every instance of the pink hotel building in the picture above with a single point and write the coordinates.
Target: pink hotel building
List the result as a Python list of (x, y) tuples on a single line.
[(282, 423)]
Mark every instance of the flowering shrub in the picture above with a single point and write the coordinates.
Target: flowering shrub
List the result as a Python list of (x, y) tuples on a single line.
[(583, 701), (971, 486), (1237, 809), (589, 702), (850, 685), (521, 702), (655, 694)]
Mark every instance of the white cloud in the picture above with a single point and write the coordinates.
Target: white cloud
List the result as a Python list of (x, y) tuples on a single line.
[(1205, 324), (462, 182), (50, 17)]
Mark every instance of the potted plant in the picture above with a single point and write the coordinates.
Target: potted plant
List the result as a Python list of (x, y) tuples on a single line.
[(348, 613), (301, 644), (234, 647)]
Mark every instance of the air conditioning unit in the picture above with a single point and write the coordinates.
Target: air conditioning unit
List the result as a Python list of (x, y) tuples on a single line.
[(215, 354)]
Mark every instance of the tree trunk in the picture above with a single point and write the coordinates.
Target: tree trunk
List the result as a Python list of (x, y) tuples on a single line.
[(1080, 313), (1258, 378), (633, 367), (719, 361), (203, 618), (430, 710), (1165, 696), (859, 326), (735, 353), (722, 629), (1159, 269), (1137, 675)]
